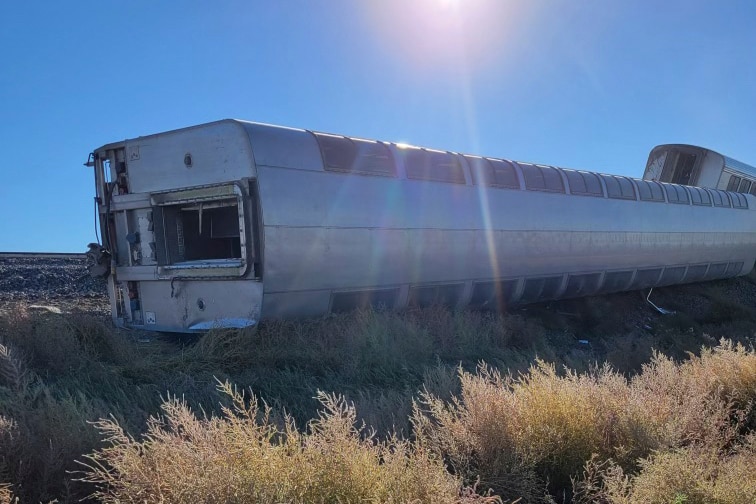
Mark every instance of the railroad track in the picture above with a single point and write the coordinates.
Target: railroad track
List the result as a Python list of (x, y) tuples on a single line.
[(41, 255)]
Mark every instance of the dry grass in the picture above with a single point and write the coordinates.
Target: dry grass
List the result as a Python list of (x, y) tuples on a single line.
[(243, 457), (59, 373), (6, 496), (518, 433), (698, 474)]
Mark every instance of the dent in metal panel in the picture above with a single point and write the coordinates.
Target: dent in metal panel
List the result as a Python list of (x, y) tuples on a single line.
[(198, 303)]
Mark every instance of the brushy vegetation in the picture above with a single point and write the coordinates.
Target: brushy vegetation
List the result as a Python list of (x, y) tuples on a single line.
[(541, 421), (244, 457), (518, 433)]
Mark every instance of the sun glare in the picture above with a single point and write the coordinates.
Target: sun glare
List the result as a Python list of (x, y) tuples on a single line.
[(436, 34)]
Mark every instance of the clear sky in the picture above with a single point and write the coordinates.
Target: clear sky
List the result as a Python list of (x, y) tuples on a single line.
[(590, 84)]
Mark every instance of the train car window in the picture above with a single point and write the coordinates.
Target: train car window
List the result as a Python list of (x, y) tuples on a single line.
[(338, 152), (541, 289), (683, 171), (541, 178), (582, 285), (583, 183), (373, 158), (745, 186), (615, 281), (733, 269), (646, 278), (738, 200), (650, 190), (378, 299), (733, 184), (699, 196), (753, 189), (673, 275), (716, 271), (493, 172), (696, 272), (719, 198), (492, 295), (447, 295), (422, 164), (619, 187), (355, 155), (676, 194)]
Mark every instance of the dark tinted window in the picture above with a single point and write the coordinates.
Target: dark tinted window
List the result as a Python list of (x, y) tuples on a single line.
[(541, 289), (650, 191), (373, 157), (646, 278), (619, 187), (716, 271), (734, 268), (616, 280), (672, 275), (745, 186), (753, 189), (338, 152), (493, 295), (583, 183), (733, 184), (719, 198), (676, 194), (738, 200), (355, 155), (423, 164), (435, 295), (696, 272), (582, 285), (541, 178), (699, 196), (376, 299), (493, 172)]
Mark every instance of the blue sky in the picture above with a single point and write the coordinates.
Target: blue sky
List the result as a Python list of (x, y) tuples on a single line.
[(591, 84)]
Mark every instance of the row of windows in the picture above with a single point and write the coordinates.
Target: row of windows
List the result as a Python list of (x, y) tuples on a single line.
[(494, 294), (374, 158), (741, 185)]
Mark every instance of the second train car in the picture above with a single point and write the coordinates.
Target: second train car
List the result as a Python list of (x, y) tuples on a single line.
[(232, 222)]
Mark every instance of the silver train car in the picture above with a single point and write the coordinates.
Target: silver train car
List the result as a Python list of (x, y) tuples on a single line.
[(232, 222), (697, 166)]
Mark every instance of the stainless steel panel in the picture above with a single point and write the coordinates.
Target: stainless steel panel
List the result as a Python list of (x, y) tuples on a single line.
[(219, 152), (199, 303)]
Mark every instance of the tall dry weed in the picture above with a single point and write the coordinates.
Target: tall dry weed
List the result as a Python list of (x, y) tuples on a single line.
[(697, 474), (518, 432), (242, 456), (6, 495), (12, 368)]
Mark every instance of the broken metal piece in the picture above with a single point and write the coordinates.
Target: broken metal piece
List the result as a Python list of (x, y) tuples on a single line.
[(663, 311), (98, 260)]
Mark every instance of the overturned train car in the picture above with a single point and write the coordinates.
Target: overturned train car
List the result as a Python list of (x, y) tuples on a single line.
[(228, 223)]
